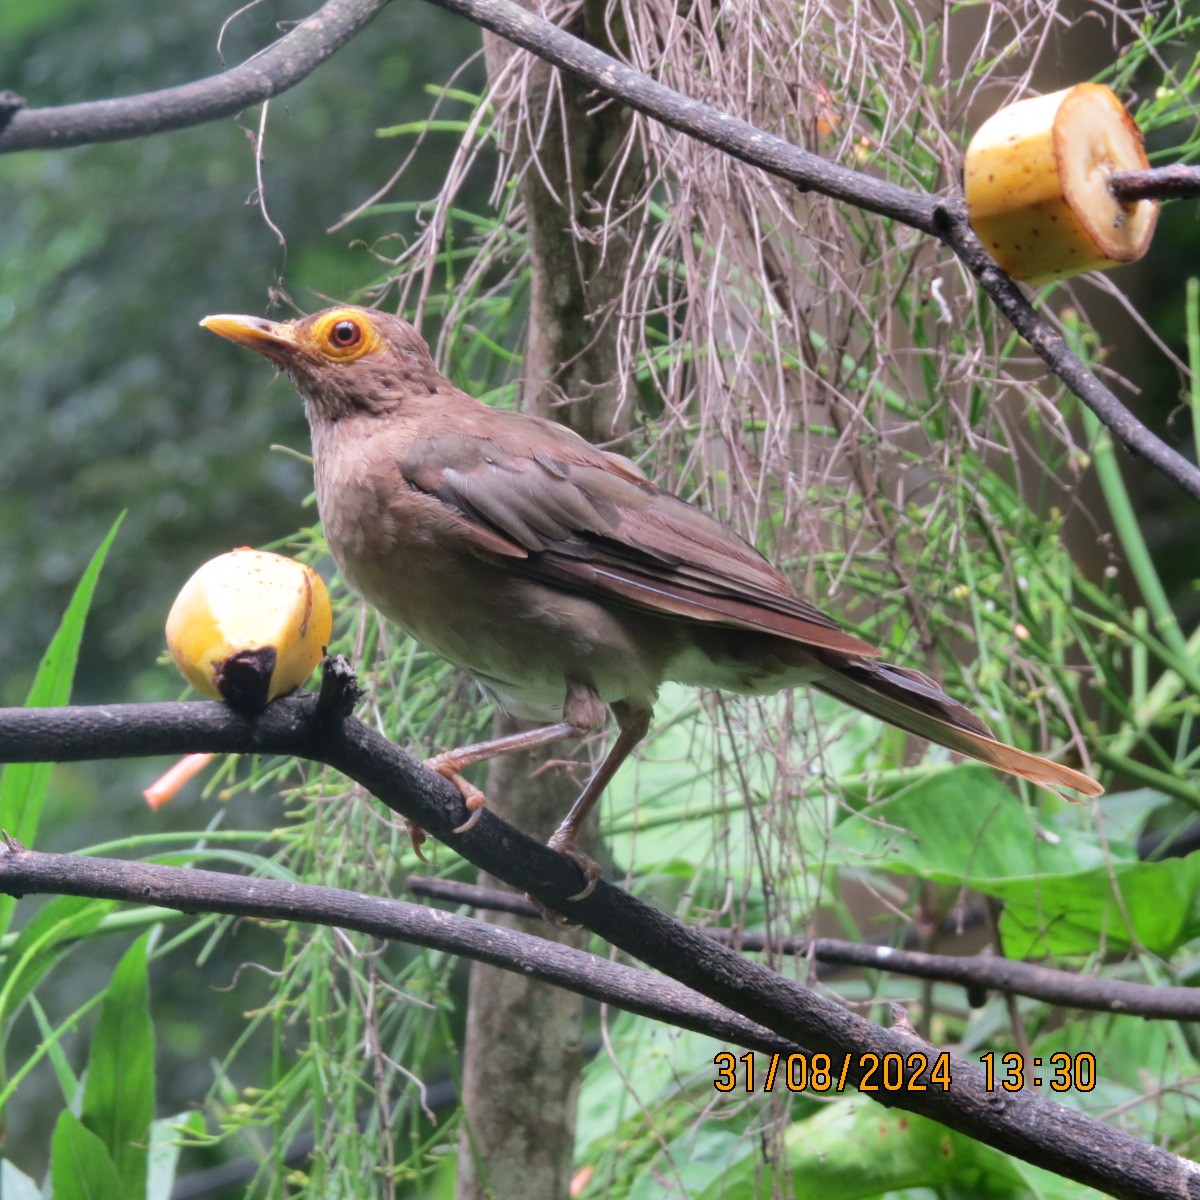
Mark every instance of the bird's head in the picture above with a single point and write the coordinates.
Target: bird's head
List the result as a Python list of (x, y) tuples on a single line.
[(344, 360)]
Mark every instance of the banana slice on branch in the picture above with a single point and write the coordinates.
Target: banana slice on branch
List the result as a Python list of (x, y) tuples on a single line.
[(249, 626), (1036, 180)]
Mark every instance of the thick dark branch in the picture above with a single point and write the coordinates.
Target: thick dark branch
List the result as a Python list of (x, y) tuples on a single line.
[(735, 137), (943, 218), (273, 70), (1024, 1124), (24, 872), (976, 973), (1176, 182)]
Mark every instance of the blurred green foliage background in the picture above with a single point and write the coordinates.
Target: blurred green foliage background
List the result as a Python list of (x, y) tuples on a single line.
[(112, 397)]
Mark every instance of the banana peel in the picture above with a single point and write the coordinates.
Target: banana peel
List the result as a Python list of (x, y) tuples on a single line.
[(249, 626), (1036, 182)]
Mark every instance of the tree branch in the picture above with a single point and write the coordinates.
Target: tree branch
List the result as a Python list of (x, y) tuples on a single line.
[(1175, 182), (1049, 345), (1024, 1124), (271, 71), (24, 872), (298, 53), (975, 972), (941, 217)]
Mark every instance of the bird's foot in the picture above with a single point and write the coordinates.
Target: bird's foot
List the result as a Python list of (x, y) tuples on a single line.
[(418, 837), (448, 767), (550, 915), (564, 842)]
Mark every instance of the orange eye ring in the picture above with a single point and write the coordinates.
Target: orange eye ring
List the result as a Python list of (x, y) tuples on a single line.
[(343, 335)]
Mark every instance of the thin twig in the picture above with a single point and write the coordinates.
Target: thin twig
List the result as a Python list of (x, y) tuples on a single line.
[(298, 53), (976, 972), (941, 217), (271, 71), (1179, 181)]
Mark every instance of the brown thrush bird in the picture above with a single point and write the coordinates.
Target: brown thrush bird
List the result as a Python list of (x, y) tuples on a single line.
[(554, 572)]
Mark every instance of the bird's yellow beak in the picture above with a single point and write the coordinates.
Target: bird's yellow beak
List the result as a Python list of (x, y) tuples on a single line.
[(275, 339)]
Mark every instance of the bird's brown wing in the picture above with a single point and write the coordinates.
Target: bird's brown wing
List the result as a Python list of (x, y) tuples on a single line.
[(567, 513)]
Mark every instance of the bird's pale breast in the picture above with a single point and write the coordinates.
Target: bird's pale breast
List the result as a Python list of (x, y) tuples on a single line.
[(521, 638)]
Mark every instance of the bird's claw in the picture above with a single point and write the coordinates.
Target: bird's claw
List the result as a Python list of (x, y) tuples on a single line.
[(476, 811), (418, 837), (550, 915), (448, 767), (564, 843)]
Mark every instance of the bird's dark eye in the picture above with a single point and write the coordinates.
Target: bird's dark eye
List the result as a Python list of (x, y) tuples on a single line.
[(345, 334)]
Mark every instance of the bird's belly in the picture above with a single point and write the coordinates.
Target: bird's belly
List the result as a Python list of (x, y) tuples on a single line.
[(740, 660), (521, 639)]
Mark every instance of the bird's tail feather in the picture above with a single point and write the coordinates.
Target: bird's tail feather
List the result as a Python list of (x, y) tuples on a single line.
[(915, 703)]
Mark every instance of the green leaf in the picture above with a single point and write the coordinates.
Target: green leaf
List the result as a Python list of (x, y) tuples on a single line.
[(1064, 892), (166, 1139), (700, 1163), (960, 825), (23, 785), (54, 928), (662, 1059), (80, 1168), (51, 1042), (855, 1149), (1153, 904), (118, 1094)]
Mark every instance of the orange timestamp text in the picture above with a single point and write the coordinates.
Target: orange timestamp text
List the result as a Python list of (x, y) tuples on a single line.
[(1063, 1072), (868, 1072)]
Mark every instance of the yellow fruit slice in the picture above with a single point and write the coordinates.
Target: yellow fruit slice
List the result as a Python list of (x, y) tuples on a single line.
[(249, 626), (1036, 180)]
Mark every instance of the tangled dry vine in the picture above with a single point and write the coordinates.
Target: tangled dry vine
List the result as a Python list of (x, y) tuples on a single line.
[(298, 53)]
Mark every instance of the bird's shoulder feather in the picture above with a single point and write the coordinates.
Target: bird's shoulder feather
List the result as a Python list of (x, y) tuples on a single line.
[(566, 512)]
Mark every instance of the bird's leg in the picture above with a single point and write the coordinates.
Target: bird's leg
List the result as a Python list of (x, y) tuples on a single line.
[(583, 711), (632, 724), (450, 763)]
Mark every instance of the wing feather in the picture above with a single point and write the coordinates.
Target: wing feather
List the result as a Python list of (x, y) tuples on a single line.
[(572, 515)]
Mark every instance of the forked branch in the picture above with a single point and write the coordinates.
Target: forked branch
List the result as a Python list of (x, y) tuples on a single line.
[(297, 54), (1024, 1124)]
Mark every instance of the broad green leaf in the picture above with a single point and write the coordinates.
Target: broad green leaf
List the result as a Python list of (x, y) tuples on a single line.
[(681, 809), (645, 1077), (1125, 813), (54, 928), (118, 1094), (80, 1168), (1153, 904), (963, 824), (1064, 892), (23, 785), (16, 1185), (699, 1163), (166, 1140), (1117, 1063), (856, 1148)]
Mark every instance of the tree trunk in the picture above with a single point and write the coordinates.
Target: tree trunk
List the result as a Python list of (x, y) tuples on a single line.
[(523, 1056)]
